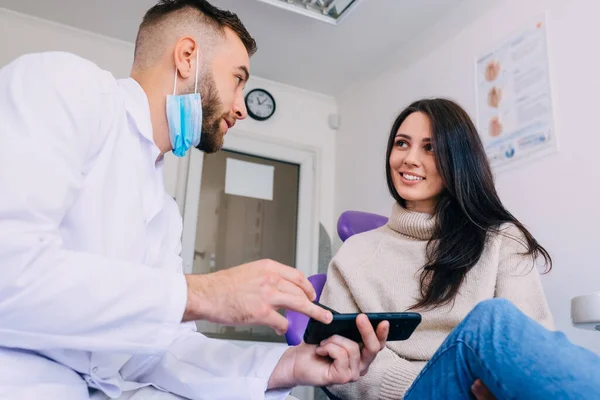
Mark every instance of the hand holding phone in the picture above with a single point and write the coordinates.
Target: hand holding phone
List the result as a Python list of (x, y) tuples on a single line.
[(402, 325)]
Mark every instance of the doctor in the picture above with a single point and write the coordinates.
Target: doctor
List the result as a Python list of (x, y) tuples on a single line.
[(93, 302)]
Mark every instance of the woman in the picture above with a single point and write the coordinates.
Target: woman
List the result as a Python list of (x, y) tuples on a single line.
[(448, 245)]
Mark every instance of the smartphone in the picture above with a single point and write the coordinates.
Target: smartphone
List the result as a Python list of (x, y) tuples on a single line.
[(402, 325)]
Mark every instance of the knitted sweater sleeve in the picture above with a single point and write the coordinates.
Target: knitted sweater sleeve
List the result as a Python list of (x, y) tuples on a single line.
[(389, 376), (519, 279)]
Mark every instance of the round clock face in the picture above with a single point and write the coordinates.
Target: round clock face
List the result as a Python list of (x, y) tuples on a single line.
[(260, 104)]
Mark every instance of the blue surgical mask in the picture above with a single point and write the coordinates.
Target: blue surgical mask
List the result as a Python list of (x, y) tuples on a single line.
[(184, 115)]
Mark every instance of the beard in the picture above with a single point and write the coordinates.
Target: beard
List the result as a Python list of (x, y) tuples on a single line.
[(211, 139)]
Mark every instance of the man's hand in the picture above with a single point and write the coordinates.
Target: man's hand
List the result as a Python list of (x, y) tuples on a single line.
[(481, 392), (251, 294), (336, 360)]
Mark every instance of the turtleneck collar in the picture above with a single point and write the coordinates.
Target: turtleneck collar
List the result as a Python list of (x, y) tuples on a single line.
[(416, 225)]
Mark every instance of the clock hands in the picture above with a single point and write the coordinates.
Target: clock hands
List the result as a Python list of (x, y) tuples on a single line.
[(260, 104)]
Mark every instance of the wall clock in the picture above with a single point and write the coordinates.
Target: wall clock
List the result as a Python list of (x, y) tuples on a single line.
[(260, 104)]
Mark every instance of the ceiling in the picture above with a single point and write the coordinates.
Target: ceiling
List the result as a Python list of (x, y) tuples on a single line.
[(293, 49)]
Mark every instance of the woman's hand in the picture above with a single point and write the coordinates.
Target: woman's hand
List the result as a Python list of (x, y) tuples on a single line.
[(336, 360), (481, 392)]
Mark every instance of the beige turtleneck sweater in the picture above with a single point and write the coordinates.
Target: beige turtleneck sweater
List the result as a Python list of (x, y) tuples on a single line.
[(379, 271)]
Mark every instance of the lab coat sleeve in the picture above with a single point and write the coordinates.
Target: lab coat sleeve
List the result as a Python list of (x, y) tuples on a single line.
[(198, 367), (53, 107)]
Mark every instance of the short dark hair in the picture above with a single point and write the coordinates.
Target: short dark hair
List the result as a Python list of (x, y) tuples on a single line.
[(212, 15)]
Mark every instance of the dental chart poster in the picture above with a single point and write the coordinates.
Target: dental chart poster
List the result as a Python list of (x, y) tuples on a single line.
[(514, 103)]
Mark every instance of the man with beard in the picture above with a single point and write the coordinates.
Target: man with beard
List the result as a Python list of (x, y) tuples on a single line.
[(93, 301)]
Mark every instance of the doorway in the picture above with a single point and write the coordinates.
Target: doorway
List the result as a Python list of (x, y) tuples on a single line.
[(238, 224), (254, 199)]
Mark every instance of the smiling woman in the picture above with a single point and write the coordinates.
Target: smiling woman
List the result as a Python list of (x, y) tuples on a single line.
[(437, 165), (448, 245), (412, 163)]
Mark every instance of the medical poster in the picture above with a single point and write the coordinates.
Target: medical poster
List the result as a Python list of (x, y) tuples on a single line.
[(514, 103)]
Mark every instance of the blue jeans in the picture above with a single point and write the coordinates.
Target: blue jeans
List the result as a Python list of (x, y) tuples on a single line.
[(514, 356)]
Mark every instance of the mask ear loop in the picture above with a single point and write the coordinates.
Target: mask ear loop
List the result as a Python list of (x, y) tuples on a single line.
[(175, 82), (196, 81), (197, 68)]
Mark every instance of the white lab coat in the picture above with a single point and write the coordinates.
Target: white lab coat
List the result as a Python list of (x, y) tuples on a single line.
[(91, 285)]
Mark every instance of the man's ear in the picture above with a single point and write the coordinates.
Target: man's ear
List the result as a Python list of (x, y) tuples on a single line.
[(184, 56)]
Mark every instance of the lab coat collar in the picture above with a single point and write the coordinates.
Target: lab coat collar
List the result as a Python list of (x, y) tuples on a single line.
[(137, 106)]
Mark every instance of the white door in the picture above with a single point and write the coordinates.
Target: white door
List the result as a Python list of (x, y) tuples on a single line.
[(189, 189), (222, 230)]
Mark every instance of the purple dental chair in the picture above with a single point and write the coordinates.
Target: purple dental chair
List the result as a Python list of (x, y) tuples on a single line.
[(350, 223)]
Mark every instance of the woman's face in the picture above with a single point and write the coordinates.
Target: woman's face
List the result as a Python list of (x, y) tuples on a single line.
[(412, 165)]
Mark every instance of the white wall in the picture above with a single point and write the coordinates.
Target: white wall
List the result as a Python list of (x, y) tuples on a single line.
[(20, 34), (300, 119), (557, 196)]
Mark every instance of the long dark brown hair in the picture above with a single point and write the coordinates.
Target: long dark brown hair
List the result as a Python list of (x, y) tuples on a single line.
[(468, 208)]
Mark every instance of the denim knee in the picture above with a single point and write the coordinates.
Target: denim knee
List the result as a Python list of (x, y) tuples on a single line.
[(493, 308)]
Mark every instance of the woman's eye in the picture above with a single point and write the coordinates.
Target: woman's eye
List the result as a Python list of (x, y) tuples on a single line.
[(428, 147), (401, 143)]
